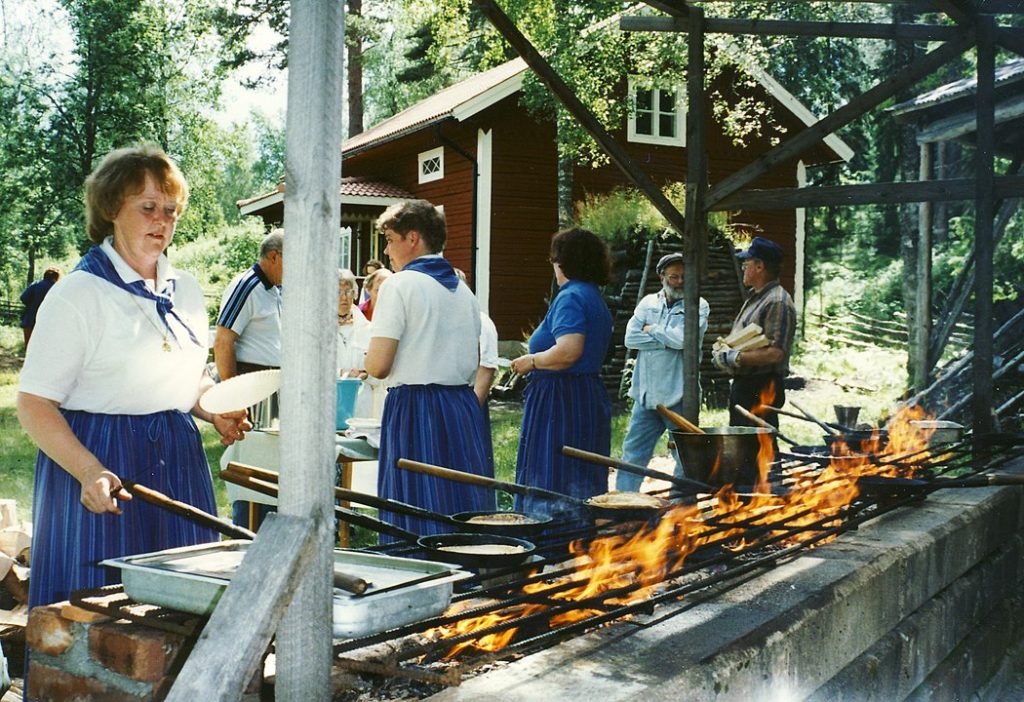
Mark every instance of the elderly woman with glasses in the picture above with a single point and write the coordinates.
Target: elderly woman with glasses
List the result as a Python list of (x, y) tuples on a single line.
[(115, 369), (565, 402), (353, 328)]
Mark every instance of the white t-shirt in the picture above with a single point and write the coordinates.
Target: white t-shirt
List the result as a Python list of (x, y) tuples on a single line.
[(251, 308), (99, 348), (488, 342), (438, 331)]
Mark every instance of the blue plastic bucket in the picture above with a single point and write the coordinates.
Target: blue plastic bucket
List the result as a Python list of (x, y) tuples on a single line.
[(348, 390)]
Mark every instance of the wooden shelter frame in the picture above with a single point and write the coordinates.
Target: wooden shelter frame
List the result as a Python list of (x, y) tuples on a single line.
[(284, 584)]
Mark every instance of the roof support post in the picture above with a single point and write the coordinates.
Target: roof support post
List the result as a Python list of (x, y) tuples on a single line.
[(312, 219), (695, 242), (983, 228), (923, 320), (579, 111)]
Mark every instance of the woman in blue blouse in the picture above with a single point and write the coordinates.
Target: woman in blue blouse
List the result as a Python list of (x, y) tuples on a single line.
[(565, 402)]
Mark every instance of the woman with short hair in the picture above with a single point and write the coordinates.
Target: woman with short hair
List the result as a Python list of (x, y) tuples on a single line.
[(565, 403)]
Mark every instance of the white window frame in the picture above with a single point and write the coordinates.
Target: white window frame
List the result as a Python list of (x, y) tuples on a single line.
[(345, 248), (680, 122), (426, 157)]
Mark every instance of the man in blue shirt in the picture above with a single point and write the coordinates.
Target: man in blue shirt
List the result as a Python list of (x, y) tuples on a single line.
[(656, 331), (32, 298)]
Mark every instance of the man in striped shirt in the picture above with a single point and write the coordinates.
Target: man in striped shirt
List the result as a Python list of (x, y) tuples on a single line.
[(249, 324), (759, 374)]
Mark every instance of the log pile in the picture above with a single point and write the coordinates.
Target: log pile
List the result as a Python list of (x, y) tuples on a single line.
[(15, 558)]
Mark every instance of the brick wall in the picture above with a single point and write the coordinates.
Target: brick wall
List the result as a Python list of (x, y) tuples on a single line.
[(79, 655)]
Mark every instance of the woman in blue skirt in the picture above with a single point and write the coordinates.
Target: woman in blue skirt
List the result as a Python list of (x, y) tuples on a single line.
[(424, 341), (116, 366), (565, 402)]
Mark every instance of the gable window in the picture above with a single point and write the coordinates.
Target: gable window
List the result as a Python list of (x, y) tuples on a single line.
[(431, 165), (658, 114)]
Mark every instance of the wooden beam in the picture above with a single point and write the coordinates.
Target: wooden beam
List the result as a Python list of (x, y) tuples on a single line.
[(695, 243), (677, 8), (789, 28), (240, 629), (984, 212), (966, 14), (867, 194), (580, 112), (923, 304), (857, 107), (312, 221), (963, 284)]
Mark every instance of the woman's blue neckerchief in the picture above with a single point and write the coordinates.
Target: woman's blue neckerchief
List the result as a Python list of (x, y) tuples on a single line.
[(437, 268), (99, 264)]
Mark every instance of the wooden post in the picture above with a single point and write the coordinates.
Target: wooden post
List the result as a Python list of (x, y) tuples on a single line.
[(984, 180), (696, 239), (923, 319), (312, 213)]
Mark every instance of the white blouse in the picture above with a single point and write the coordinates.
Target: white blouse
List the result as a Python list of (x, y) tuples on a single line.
[(101, 349)]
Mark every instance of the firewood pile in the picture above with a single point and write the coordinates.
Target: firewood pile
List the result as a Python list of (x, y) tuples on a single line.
[(15, 558)]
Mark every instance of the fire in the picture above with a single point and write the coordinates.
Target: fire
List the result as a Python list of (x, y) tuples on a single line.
[(621, 569)]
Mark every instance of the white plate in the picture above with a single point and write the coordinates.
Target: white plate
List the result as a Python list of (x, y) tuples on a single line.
[(363, 423), (241, 392)]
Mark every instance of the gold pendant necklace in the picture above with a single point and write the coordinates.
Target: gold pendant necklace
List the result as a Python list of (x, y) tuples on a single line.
[(167, 344)]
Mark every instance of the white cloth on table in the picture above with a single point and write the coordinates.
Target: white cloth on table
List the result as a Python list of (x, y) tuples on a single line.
[(409, 307), (263, 450), (100, 349)]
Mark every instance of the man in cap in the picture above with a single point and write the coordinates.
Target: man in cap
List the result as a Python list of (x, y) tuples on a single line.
[(656, 331), (760, 372)]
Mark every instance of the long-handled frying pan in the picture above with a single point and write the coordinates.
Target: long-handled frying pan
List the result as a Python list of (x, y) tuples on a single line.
[(690, 486), (448, 548), (611, 506), (879, 486), (342, 581), (514, 524)]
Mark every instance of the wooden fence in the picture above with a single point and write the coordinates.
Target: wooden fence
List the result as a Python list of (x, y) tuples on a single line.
[(10, 312), (855, 329)]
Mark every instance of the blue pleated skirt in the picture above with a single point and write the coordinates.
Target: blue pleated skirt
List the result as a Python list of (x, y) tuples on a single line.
[(162, 451), (438, 424), (559, 410)]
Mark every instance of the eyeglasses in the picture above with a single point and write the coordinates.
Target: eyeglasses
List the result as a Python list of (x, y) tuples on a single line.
[(673, 278), (347, 292)]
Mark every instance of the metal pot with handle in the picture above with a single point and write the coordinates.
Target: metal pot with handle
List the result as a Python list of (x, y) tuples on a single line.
[(721, 455)]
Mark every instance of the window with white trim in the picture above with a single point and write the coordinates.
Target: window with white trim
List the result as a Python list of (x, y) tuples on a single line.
[(657, 114), (431, 165)]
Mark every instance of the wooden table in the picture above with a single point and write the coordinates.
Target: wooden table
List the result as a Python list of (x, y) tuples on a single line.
[(261, 449)]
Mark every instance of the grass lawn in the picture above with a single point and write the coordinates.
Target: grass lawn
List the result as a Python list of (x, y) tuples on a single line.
[(870, 378)]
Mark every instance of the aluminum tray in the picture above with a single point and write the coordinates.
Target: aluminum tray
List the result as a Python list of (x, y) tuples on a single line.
[(193, 578)]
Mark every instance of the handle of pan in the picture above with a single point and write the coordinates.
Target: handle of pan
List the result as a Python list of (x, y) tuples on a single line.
[(679, 420), (194, 514), (828, 429), (361, 498), (483, 481), (606, 461), (761, 423)]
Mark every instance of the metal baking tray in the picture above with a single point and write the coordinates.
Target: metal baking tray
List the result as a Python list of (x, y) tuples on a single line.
[(193, 578)]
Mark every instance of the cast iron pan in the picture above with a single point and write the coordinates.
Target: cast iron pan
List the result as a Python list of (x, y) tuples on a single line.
[(531, 524), (437, 546)]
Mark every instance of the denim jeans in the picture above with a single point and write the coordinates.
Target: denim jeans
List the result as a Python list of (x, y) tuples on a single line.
[(645, 428)]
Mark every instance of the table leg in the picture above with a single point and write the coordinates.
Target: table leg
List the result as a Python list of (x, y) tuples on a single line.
[(346, 482), (253, 515)]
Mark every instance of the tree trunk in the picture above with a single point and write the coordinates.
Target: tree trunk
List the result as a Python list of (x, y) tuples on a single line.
[(354, 70)]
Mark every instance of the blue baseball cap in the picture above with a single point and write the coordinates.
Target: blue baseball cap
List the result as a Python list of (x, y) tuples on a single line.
[(764, 250)]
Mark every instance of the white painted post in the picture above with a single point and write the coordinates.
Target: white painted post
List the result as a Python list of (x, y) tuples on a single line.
[(312, 208)]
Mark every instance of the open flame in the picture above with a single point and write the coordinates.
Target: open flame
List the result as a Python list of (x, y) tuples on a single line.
[(633, 566)]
